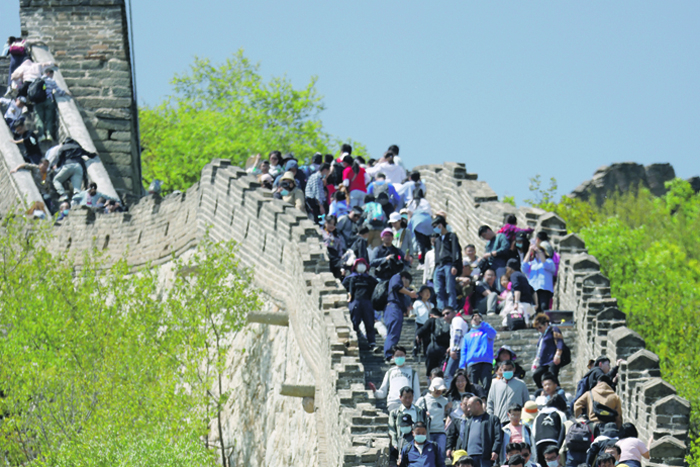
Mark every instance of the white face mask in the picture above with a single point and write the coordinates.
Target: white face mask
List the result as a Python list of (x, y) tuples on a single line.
[(361, 268)]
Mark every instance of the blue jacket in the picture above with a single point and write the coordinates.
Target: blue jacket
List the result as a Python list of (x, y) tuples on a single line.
[(540, 275), (477, 346), (430, 457), (547, 345), (396, 298)]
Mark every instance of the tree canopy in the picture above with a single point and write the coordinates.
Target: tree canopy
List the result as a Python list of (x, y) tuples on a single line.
[(100, 366), (228, 111), (648, 248)]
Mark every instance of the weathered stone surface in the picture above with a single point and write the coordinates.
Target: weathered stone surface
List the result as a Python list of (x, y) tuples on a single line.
[(622, 177)]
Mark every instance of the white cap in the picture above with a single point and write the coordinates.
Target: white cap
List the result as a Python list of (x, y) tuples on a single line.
[(394, 217), (438, 384)]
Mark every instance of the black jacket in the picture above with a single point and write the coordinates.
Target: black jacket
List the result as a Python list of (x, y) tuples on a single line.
[(360, 286), (491, 434), (448, 251), (360, 249)]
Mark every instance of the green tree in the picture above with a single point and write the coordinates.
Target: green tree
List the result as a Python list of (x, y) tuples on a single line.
[(96, 356), (230, 112), (647, 247)]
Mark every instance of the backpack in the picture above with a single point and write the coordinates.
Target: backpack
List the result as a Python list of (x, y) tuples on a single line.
[(37, 91), (18, 48), (441, 333), (515, 320), (578, 439), (548, 425), (602, 412), (383, 198), (380, 296), (381, 188), (375, 214), (581, 389)]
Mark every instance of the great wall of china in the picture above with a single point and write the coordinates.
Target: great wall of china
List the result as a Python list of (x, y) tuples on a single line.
[(312, 402)]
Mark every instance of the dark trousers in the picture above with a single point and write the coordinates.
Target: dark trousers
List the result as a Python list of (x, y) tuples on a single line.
[(420, 347), (424, 243), (15, 62), (543, 298), (393, 320), (539, 373), (434, 357), (314, 209), (482, 461), (361, 311), (480, 373)]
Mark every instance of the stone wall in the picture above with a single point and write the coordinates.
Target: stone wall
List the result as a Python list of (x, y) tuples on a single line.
[(600, 328), (289, 262), (88, 38)]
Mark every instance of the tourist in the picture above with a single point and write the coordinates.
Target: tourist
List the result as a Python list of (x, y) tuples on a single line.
[(46, 121), (435, 405), (289, 192), (550, 348), (448, 263), (505, 392), (316, 195), (422, 453), (540, 271), (399, 428), (360, 286), (481, 435), (396, 378), (477, 352)]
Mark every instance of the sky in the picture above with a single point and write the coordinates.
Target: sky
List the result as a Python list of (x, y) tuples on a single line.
[(511, 89)]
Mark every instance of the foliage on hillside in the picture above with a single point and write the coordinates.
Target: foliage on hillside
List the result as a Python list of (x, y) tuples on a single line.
[(100, 366), (648, 248), (228, 112)]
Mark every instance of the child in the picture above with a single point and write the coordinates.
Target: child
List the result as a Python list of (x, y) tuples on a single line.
[(435, 404), (515, 432)]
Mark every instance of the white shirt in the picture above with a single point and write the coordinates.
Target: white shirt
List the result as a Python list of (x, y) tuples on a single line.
[(458, 329), (395, 379), (422, 311), (394, 172)]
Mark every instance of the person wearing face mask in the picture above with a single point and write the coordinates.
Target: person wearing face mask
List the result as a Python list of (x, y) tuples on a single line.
[(435, 405), (63, 210), (551, 457), (422, 453), (505, 392), (395, 379), (289, 193), (401, 421), (549, 428), (360, 286)]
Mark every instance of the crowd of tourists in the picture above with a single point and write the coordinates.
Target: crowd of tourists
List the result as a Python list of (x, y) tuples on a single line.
[(30, 111), (378, 226)]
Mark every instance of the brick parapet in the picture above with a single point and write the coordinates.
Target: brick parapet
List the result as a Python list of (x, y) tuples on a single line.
[(600, 327), (287, 256)]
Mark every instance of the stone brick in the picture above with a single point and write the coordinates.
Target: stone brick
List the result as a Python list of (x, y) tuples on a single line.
[(102, 102), (121, 135)]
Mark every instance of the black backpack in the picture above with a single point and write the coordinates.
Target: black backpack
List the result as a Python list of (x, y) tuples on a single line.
[(37, 91), (602, 412), (336, 175), (581, 389), (515, 321), (578, 439), (441, 333), (380, 296), (548, 425)]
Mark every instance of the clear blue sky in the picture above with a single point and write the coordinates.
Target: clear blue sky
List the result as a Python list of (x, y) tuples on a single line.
[(512, 89)]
